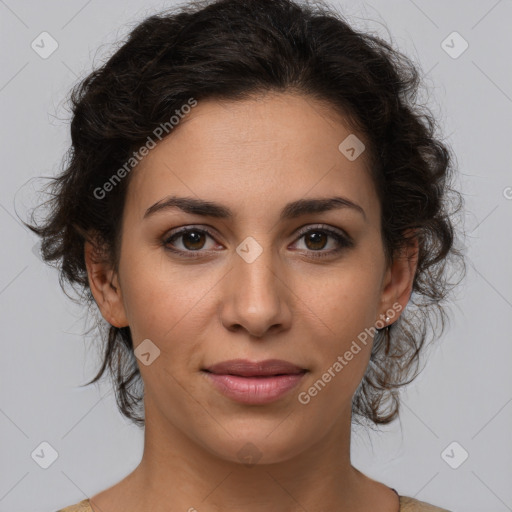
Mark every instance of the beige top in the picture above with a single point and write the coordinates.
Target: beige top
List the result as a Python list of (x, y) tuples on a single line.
[(406, 505)]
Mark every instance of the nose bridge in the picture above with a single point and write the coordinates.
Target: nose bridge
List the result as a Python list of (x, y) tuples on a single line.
[(256, 297), (255, 270)]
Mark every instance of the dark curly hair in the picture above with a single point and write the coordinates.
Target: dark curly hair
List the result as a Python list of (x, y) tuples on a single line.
[(232, 49)]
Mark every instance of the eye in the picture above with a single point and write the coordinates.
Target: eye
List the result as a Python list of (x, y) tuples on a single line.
[(316, 238), (187, 241), (192, 240)]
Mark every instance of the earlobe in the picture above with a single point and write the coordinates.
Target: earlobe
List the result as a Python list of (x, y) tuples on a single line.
[(104, 285)]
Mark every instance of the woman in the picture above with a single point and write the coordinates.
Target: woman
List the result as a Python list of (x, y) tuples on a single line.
[(261, 214)]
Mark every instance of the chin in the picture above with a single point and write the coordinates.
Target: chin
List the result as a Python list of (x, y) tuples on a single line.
[(258, 446)]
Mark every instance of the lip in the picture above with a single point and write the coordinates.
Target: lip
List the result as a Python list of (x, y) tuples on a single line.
[(258, 382)]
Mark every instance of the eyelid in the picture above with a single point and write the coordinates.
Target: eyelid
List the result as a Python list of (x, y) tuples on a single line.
[(182, 230), (324, 227), (213, 233)]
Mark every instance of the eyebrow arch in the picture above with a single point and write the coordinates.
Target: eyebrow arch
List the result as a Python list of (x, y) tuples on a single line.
[(290, 211)]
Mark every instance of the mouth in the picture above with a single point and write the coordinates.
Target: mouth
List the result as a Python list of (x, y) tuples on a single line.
[(254, 382), (244, 368)]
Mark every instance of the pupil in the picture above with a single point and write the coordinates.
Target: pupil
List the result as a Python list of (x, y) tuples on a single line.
[(316, 238), (195, 237)]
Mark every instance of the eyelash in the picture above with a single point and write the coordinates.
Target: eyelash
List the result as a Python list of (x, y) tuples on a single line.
[(344, 241)]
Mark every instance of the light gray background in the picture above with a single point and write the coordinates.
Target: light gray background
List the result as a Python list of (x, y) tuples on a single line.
[(465, 393)]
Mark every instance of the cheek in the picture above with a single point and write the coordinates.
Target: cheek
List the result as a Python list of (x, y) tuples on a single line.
[(348, 297), (344, 310), (165, 308), (341, 355), (164, 303), (149, 289)]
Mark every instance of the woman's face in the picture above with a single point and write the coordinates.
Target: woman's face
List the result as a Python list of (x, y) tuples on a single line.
[(268, 281)]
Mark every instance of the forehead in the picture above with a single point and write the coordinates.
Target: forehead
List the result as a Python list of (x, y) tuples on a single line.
[(254, 155)]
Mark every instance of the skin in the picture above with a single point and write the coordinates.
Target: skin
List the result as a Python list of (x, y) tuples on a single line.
[(253, 156)]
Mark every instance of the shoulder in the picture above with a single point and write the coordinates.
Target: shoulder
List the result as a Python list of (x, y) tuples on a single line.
[(406, 505), (411, 505), (83, 506)]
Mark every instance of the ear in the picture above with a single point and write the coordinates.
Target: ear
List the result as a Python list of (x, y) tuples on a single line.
[(399, 278), (104, 285)]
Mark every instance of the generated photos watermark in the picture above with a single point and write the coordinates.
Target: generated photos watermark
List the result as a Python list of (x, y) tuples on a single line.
[(304, 397), (158, 132)]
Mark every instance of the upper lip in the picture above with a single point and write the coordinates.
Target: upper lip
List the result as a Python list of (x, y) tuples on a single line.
[(245, 368)]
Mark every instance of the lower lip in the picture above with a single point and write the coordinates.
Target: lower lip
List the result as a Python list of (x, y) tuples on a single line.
[(254, 390)]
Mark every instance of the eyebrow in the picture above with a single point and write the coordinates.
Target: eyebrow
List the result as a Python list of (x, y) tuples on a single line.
[(290, 211)]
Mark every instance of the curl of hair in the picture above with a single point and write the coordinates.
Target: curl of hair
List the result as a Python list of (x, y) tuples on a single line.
[(235, 50)]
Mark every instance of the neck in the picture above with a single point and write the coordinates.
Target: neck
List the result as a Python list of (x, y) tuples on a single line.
[(176, 470)]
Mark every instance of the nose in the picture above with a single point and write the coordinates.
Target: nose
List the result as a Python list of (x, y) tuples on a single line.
[(255, 295)]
